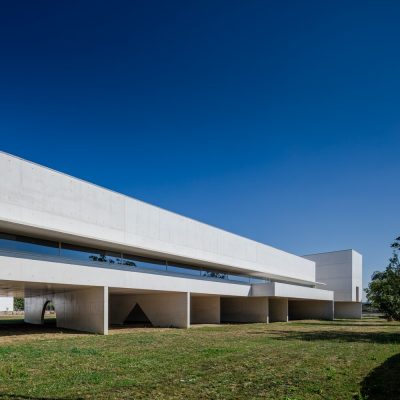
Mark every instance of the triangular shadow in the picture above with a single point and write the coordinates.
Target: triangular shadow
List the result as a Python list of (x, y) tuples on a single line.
[(137, 317)]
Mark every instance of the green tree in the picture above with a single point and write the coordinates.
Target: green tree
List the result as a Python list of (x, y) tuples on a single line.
[(384, 289), (19, 304)]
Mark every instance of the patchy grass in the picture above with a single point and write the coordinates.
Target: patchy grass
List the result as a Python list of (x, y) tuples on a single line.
[(295, 361)]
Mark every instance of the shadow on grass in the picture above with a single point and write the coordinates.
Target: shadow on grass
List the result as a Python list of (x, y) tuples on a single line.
[(356, 324), (339, 336), (382, 383), (16, 327)]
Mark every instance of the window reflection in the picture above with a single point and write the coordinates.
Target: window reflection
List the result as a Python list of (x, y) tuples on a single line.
[(258, 280), (27, 244), (215, 274), (183, 269), (145, 263), (86, 254), (239, 278)]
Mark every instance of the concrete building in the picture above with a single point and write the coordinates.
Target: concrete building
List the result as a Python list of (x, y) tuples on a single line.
[(104, 258)]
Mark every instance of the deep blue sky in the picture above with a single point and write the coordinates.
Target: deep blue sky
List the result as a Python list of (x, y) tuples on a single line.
[(278, 120)]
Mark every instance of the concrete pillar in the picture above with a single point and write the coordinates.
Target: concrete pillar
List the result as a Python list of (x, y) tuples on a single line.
[(244, 309), (344, 309), (205, 310), (278, 309), (81, 309), (162, 309), (311, 309)]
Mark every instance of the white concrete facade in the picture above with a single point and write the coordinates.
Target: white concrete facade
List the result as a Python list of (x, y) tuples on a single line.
[(341, 272), (200, 274)]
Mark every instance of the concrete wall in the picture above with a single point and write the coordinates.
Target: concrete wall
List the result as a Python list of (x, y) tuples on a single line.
[(341, 271), (311, 309), (278, 310), (83, 309), (357, 276), (277, 289), (162, 309), (34, 308), (250, 309), (37, 199), (205, 310), (348, 310)]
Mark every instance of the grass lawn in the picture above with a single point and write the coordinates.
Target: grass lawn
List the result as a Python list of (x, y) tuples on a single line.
[(293, 361)]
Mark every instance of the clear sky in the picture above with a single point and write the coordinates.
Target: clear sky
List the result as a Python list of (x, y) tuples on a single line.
[(279, 121)]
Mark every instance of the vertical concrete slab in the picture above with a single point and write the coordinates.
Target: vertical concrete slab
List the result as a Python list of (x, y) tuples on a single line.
[(34, 306), (244, 309), (311, 309), (81, 309), (205, 310), (278, 310), (348, 310)]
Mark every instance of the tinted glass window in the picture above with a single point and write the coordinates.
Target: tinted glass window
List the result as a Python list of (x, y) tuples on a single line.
[(88, 254), (31, 245), (180, 269), (239, 278), (257, 280), (145, 263), (69, 251), (214, 274)]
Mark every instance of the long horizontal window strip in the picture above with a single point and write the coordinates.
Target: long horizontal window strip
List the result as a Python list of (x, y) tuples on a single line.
[(67, 251), (27, 244)]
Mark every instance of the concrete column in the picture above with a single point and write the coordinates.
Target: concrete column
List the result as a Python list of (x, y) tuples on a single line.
[(205, 310), (81, 309), (310, 309), (244, 309), (162, 309), (344, 309), (278, 309)]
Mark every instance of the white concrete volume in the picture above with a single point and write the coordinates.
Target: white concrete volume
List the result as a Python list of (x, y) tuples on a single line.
[(102, 257)]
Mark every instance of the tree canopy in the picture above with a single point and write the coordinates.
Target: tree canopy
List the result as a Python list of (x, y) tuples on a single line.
[(384, 289)]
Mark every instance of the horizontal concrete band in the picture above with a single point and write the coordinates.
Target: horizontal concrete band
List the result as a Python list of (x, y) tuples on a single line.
[(47, 272)]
